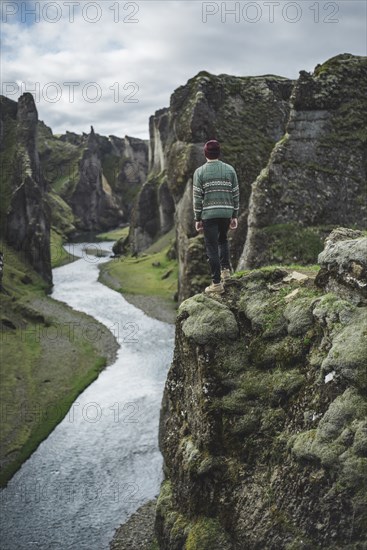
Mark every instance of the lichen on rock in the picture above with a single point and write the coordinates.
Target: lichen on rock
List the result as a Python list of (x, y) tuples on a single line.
[(263, 424), (207, 321)]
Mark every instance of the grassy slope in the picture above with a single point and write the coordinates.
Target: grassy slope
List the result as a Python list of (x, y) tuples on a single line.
[(113, 235), (140, 276), (46, 361), (59, 256)]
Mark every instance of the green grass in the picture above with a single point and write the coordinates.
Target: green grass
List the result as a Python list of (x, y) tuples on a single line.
[(59, 256), (310, 270), (139, 276), (113, 235), (40, 375)]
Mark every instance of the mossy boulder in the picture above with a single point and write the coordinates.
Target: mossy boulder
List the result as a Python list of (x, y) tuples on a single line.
[(205, 320), (332, 443), (263, 426), (348, 354)]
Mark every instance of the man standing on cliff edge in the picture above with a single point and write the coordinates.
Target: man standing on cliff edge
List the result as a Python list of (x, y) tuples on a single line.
[(216, 203)]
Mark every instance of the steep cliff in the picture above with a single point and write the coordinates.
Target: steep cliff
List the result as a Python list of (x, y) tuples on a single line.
[(316, 175), (248, 116), (98, 177), (263, 422), (25, 215)]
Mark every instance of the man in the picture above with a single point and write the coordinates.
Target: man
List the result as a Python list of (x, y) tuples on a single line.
[(216, 203)]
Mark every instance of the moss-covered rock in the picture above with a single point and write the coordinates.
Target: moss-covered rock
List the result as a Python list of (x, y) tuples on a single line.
[(207, 534), (315, 178), (263, 425), (207, 321), (348, 354)]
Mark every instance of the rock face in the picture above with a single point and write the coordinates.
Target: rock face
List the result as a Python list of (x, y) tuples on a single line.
[(248, 116), (97, 176), (263, 423), (344, 265), (93, 203), (25, 213), (316, 176)]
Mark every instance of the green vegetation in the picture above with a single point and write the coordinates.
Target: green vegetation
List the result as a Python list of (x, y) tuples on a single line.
[(151, 274), (207, 534), (59, 161), (290, 242), (45, 363), (62, 217), (114, 235), (140, 276), (59, 256)]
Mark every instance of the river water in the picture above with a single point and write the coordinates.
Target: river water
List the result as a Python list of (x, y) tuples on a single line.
[(102, 461)]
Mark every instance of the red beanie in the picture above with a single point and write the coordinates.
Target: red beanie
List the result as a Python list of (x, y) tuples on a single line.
[(212, 149)]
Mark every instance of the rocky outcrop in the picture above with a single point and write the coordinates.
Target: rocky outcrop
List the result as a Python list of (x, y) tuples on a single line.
[(315, 179), (248, 116), (344, 265), (97, 176), (92, 201), (25, 212), (263, 422)]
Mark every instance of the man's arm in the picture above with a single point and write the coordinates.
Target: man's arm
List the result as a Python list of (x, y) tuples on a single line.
[(198, 196), (235, 195)]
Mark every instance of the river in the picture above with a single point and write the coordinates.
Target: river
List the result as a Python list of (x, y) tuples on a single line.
[(102, 461)]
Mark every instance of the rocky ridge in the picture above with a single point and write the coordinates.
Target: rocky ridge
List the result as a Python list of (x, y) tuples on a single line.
[(263, 423), (248, 115), (94, 179), (299, 148), (25, 214), (316, 175)]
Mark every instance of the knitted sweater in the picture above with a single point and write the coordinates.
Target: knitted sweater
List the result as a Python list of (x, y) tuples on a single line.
[(216, 192)]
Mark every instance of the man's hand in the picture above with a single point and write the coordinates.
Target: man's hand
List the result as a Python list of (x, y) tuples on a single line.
[(199, 226), (234, 223)]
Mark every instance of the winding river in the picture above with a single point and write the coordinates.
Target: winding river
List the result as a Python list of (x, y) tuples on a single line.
[(102, 461)]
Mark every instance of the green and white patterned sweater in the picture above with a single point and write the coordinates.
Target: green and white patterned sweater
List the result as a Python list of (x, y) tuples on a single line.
[(215, 191)]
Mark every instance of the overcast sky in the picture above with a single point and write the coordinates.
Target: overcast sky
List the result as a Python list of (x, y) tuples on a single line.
[(113, 64)]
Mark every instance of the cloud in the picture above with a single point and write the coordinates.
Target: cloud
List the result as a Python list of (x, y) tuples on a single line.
[(117, 60)]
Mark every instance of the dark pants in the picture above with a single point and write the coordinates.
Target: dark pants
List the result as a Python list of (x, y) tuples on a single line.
[(216, 243)]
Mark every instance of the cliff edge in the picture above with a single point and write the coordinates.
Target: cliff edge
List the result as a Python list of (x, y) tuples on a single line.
[(263, 423)]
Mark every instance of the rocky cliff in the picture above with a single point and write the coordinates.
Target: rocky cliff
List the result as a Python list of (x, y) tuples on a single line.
[(25, 214), (316, 176), (263, 423), (98, 177), (248, 116)]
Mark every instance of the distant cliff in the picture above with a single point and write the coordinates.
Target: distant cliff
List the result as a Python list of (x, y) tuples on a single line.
[(97, 177), (316, 176), (299, 149), (25, 214), (263, 424), (248, 116)]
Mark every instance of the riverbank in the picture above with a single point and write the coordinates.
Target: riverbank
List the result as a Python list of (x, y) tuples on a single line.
[(149, 281), (158, 307), (138, 532), (48, 358)]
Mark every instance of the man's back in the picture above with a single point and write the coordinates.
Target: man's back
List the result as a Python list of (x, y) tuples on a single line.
[(216, 191)]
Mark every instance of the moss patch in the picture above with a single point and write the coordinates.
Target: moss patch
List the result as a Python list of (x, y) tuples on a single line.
[(59, 256), (292, 242), (207, 534), (206, 320), (114, 235)]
